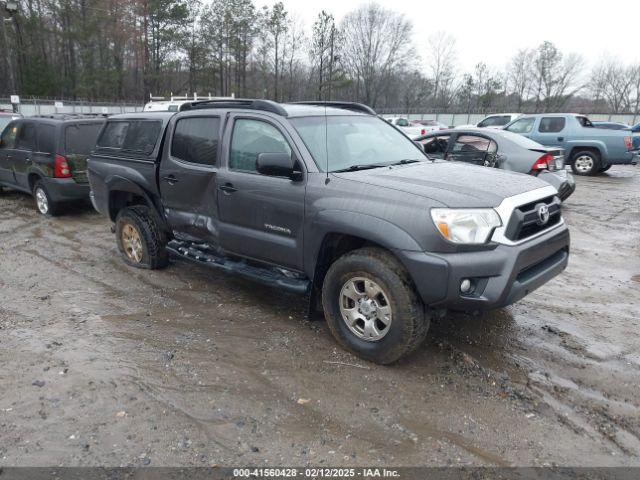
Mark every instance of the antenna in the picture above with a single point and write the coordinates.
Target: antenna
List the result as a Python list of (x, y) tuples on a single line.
[(326, 142)]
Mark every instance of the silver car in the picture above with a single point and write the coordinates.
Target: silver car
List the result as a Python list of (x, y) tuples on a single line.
[(501, 149)]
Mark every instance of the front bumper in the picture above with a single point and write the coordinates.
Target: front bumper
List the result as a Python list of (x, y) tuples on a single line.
[(561, 180), (66, 189), (501, 276)]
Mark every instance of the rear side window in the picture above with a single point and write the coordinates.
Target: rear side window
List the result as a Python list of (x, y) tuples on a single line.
[(46, 138), (552, 124), (114, 135), (474, 144), (26, 137), (195, 140), (524, 125), (80, 139)]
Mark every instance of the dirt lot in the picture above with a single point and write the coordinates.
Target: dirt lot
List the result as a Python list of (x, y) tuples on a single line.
[(101, 364)]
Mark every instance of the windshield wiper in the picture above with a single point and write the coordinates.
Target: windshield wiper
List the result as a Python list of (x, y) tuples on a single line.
[(405, 161), (355, 168)]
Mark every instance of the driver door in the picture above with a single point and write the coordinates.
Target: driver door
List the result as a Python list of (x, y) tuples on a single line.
[(261, 216)]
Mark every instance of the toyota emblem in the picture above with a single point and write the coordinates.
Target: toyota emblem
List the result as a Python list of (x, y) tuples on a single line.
[(543, 214)]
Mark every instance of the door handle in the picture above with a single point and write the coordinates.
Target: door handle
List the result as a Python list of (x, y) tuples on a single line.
[(561, 139), (170, 179), (228, 188)]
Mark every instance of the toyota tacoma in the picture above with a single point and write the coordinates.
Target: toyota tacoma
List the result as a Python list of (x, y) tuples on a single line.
[(327, 199)]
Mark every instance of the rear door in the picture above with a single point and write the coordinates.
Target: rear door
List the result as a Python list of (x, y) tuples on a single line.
[(261, 217), (474, 149), (7, 147), (188, 178), (22, 158)]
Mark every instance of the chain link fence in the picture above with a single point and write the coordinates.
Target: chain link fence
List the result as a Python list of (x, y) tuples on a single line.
[(38, 106)]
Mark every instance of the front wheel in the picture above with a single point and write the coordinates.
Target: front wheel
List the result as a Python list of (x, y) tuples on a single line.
[(585, 162), (140, 240), (372, 307)]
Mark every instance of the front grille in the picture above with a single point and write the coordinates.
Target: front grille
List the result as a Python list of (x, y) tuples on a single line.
[(525, 221)]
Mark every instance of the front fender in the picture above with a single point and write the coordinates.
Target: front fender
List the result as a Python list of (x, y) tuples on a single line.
[(367, 227)]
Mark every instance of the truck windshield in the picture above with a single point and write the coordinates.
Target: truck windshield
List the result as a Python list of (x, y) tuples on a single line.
[(354, 141)]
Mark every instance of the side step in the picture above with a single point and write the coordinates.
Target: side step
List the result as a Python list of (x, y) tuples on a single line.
[(205, 255)]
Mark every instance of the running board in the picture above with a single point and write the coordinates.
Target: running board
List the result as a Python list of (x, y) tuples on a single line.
[(205, 255)]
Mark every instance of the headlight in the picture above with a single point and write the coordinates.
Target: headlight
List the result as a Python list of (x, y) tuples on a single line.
[(466, 225)]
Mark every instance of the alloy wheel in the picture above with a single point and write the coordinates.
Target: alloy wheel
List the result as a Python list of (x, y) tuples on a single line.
[(365, 309)]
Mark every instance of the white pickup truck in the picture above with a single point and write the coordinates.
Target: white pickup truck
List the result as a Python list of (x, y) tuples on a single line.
[(406, 127)]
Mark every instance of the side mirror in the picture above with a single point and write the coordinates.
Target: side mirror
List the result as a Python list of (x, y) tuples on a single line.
[(276, 165)]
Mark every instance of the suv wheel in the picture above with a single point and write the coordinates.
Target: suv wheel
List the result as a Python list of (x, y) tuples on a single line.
[(585, 162), (371, 306), (604, 169), (44, 204), (140, 241)]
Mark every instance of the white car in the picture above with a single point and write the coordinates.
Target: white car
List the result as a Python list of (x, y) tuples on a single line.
[(160, 104), (497, 120), (407, 128)]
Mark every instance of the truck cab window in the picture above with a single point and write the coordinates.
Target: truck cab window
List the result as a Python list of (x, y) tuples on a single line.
[(252, 137), (524, 125), (551, 124), (195, 140)]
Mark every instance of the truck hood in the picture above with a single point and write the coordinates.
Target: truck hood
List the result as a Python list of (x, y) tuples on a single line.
[(453, 184)]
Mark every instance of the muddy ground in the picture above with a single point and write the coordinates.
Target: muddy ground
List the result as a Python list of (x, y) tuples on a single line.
[(102, 364)]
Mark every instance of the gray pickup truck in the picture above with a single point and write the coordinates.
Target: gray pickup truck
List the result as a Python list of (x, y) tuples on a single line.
[(329, 200), (589, 150)]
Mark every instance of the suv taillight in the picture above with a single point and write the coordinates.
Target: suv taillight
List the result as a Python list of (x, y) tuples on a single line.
[(628, 142), (423, 131), (542, 163), (61, 167)]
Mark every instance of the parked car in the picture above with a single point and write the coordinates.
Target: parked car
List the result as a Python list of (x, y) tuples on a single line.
[(589, 150), (430, 125), (409, 129), (498, 120), (612, 125), (327, 199), (46, 157), (503, 150)]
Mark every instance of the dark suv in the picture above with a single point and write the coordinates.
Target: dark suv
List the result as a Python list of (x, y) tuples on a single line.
[(331, 201), (47, 157)]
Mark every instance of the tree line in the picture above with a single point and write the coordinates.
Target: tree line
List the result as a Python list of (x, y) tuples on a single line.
[(126, 50)]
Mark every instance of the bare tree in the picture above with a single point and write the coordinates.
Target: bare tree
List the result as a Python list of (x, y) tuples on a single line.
[(519, 75), (441, 63), (556, 77), (376, 44)]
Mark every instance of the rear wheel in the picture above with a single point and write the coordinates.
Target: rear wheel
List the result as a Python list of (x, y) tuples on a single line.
[(372, 307), (44, 204), (140, 241), (585, 162), (604, 169)]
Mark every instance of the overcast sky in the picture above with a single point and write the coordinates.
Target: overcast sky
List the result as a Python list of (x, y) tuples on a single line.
[(493, 30)]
